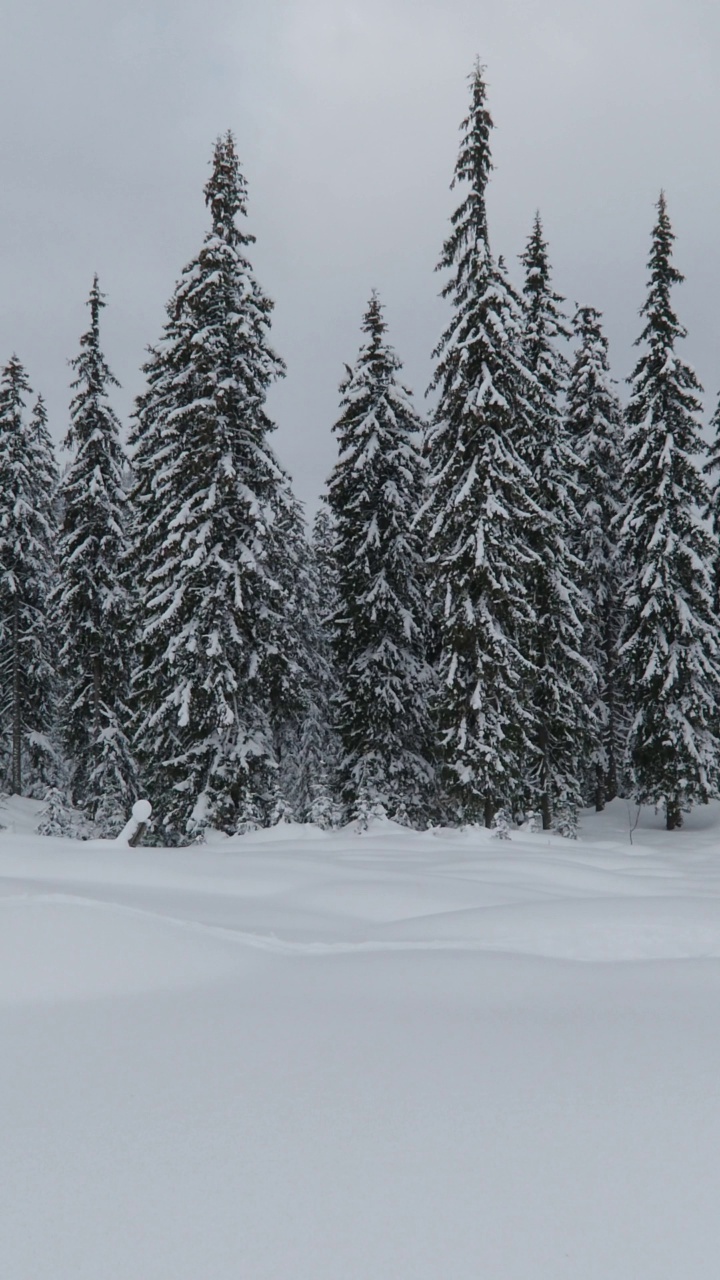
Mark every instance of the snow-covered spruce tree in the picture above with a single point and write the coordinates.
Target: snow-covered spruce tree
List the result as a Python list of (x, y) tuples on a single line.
[(298, 676), (481, 507), (595, 425), (670, 633), (379, 624), (28, 535), (563, 680), (208, 516), (325, 561), (321, 747), (712, 512), (56, 818), (544, 325), (92, 603), (308, 762)]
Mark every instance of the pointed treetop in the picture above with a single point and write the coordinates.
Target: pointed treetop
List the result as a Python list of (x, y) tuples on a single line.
[(588, 320), (545, 321), (594, 417), (663, 238), (373, 321), (474, 161), (93, 374), (226, 191), (39, 427), (375, 326), (537, 288), (95, 302), (536, 254), (14, 384), (40, 409), (91, 339), (591, 367), (662, 322), (665, 390), (377, 361), (469, 235)]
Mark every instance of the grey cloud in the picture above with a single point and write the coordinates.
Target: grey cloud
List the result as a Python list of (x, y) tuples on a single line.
[(346, 116)]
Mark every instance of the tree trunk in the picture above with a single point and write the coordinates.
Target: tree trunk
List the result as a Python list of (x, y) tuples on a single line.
[(673, 814), (599, 788), (611, 777), (545, 775), (489, 811), (96, 696), (611, 697)]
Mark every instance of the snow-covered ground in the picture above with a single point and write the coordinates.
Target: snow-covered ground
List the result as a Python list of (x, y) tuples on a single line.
[(301, 1056)]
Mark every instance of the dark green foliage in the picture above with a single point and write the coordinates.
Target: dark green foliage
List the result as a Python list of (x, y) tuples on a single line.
[(595, 425), (562, 687), (670, 632), (28, 533), (92, 600), (712, 511), (482, 507), (309, 761), (210, 521), (379, 624)]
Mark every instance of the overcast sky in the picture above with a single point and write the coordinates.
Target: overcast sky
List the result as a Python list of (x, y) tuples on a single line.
[(346, 114)]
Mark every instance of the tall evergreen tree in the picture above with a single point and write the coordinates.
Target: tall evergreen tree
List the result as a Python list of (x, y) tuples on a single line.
[(92, 601), (712, 511), (379, 627), (45, 757), (28, 481), (210, 514), (544, 326), (298, 676), (595, 424), (321, 747), (670, 634), (481, 505), (325, 559), (562, 678), (310, 759)]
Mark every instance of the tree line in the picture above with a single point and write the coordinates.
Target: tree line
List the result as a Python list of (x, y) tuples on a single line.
[(510, 609)]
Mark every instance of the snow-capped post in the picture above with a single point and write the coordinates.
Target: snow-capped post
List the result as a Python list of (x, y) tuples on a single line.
[(134, 830)]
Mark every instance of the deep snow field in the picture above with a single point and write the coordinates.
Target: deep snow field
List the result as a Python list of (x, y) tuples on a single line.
[(310, 1056)]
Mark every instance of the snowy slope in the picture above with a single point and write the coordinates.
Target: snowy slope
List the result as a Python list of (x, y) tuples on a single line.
[(302, 1056)]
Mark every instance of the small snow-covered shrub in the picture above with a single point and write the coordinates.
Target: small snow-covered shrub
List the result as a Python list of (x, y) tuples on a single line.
[(566, 823), (501, 825), (57, 818)]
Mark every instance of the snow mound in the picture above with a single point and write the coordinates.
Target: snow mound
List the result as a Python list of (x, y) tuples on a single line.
[(60, 949), (319, 1054), (608, 930)]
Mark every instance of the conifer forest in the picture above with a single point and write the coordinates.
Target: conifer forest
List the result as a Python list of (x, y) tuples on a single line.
[(507, 607)]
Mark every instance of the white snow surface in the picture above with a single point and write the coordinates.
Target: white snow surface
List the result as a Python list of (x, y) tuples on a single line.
[(391, 1056)]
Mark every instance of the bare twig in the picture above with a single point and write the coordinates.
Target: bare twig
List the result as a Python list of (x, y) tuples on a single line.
[(633, 826)]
